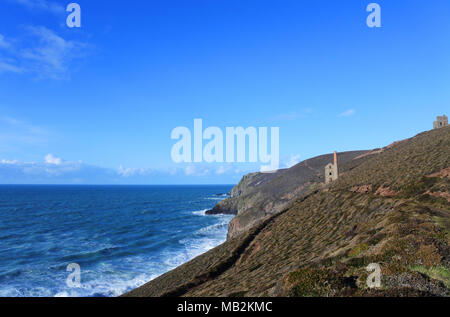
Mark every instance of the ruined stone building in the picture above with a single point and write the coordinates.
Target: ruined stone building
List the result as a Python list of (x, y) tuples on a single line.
[(331, 170), (440, 122)]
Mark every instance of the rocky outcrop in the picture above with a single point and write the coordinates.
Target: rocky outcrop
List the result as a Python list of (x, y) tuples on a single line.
[(244, 195), (225, 207), (442, 173), (362, 189), (385, 191), (252, 181)]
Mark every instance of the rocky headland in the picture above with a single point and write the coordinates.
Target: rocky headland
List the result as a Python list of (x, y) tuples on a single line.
[(295, 236)]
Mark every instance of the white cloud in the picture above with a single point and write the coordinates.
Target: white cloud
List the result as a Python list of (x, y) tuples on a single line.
[(10, 68), (16, 134), (42, 53), (293, 160), (53, 171), (223, 169), (193, 170), (56, 171), (22, 125), (347, 113), (196, 170), (267, 169), (131, 171), (3, 43), (7, 64), (51, 159), (190, 170), (8, 162), (51, 55)]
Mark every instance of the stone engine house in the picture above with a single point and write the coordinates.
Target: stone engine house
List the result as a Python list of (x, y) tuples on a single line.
[(440, 122), (332, 171)]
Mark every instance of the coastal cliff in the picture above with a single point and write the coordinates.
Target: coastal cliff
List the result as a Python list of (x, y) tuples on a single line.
[(261, 195), (390, 206)]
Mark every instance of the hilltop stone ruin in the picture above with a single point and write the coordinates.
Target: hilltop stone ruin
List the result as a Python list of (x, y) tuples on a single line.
[(332, 171), (440, 122)]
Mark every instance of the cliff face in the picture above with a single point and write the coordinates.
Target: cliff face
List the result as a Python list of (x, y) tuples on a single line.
[(391, 207), (261, 195), (252, 181)]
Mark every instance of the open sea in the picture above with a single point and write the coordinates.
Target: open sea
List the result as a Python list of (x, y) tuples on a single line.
[(120, 236)]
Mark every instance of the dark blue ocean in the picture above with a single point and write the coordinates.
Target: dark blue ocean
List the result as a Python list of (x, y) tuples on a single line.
[(120, 236)]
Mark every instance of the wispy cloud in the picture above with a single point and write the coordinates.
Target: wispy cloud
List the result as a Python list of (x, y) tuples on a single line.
[(51, 159), (52, 54), (42, 52), (132, 171), (16, 172), (196, 170), (223, 169), (55, 170), (22, 125), (15, 133), (190, 170), (293, 160), (201, 170), (9, 162), (347, 113), (4, 44), (7, 64), (41, 5), (9, 68)]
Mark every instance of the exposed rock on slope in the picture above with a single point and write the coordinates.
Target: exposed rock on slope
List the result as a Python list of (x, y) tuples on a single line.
[(321, 244)]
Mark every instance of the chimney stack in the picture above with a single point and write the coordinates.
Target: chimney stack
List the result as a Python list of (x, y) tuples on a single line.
[(335, 158)]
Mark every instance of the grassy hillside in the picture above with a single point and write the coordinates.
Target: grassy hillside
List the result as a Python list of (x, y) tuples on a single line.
[(391, 207), (261, 195)]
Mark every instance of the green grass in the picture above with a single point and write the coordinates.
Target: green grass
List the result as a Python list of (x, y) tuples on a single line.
[(438, 273), (358, 250), (444, 223)]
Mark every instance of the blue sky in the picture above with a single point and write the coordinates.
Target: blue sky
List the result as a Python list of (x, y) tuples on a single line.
[(97, 104)]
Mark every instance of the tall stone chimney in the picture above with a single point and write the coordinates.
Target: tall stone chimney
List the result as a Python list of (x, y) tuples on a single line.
[(331, 170)]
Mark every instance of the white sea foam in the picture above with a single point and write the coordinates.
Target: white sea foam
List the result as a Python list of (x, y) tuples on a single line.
[(218, 227), (104, 281), (108, 270), (204, 239), (107, 286), (200, 212)]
